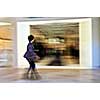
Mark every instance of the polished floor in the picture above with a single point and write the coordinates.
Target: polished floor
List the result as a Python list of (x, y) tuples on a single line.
[(13, 75)]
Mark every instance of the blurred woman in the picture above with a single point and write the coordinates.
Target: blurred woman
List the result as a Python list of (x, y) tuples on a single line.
[(30, 55)]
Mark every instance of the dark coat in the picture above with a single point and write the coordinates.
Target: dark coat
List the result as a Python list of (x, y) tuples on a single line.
[(30, 54)]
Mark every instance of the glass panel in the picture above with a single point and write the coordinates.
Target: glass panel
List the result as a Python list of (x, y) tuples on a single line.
[(57, 44), (5, 46)]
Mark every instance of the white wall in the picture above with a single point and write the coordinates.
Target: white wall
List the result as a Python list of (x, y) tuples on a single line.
[(85, 31), (96, 42), (22, 34), (85, 44)]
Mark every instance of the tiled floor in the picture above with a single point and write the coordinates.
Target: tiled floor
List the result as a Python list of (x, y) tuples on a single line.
[(11, 75)]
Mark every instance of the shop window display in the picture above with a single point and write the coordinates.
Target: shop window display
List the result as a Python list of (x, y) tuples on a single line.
[(57, 44), (6, 51)]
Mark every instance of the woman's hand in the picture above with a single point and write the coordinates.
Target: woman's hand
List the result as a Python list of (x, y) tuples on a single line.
[(37, 58)]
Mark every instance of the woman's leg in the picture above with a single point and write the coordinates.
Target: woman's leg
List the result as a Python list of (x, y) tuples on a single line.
[(33, 66), (35, 72), (29, 69), (29, 66)]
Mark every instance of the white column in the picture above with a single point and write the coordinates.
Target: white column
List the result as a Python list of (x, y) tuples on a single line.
[(96, 42), (22, 33), (85, 32)]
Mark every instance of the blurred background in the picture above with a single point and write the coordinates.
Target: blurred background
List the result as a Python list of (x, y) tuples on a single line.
[(57, 44), (6, 43)]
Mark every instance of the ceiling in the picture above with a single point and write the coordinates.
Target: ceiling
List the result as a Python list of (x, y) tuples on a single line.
[(9, 19)]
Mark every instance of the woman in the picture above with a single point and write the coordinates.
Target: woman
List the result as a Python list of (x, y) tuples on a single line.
[(30, 55)]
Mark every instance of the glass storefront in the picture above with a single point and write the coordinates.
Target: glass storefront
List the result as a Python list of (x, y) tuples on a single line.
[(6, 49), (57, 44)]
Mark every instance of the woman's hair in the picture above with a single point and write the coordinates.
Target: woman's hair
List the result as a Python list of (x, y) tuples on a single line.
[(30, 37)]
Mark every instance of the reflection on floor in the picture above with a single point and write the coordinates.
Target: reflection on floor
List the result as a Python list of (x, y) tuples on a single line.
[(51, 76), (58, 61)]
